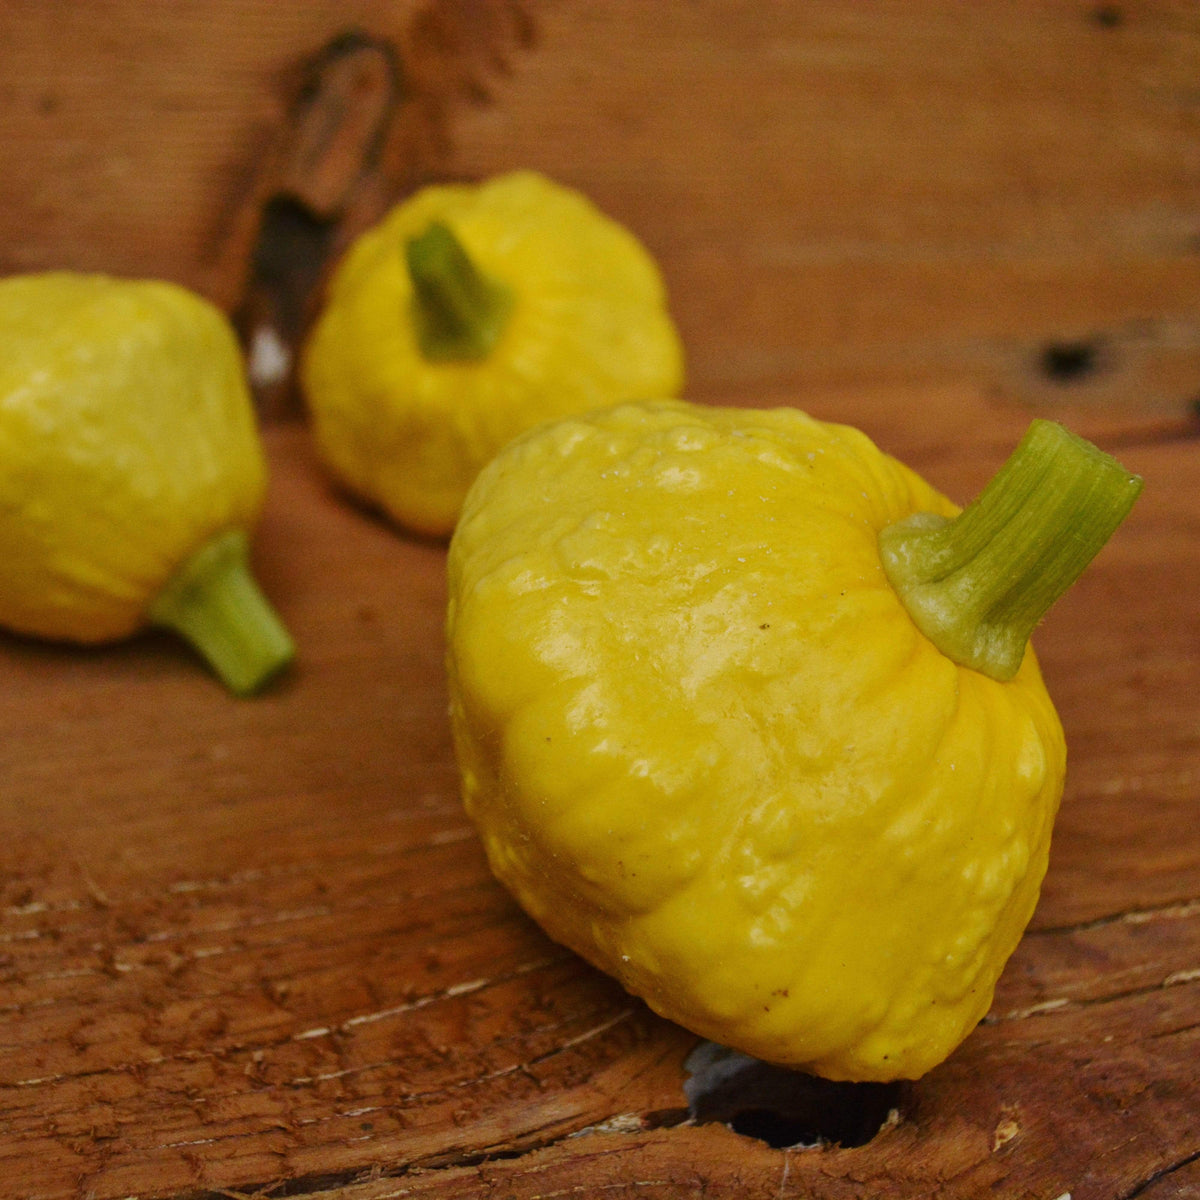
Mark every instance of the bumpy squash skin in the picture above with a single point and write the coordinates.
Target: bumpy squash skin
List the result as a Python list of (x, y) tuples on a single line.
[(589, 327), (127, 440), (707, 748)]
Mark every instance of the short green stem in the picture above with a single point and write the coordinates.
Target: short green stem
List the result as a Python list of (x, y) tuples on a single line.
[(459, 313), (213, 601), (977, 585)]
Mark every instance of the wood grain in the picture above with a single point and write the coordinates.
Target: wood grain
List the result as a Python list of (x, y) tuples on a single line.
[(837, 192), (252, 947), (887, 191)]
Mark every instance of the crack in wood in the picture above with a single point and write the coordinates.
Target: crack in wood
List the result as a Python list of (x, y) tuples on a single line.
[(1065, 1003), (315, 1183), (320, 1183), (1161, 1174), (1161, 1034), (1172, 910)]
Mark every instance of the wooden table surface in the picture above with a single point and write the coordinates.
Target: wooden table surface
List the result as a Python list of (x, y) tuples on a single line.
[(251, 948)]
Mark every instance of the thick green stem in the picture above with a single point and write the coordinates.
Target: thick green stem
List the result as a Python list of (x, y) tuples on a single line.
[(213, 601), (978, 584), (459, 313)]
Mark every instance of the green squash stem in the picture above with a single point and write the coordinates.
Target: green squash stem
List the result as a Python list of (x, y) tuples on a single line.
[(976, 585), (459, 313), (214, 603)]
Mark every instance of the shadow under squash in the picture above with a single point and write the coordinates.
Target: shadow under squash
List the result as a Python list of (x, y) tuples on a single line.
[(783, 1107)]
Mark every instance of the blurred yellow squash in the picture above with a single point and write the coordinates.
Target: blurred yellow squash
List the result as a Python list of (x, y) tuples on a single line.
[(131, 472), (470, 313)]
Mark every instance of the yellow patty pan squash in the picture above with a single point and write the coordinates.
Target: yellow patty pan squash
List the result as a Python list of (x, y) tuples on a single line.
[(709, 746), (469, 314), (131, 472)]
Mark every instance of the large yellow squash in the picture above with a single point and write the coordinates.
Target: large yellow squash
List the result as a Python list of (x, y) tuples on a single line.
[(708, 746)]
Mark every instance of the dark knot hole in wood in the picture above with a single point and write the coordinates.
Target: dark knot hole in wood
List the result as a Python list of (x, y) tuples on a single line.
[(784, 1107), (1072, 361), (289, 257)]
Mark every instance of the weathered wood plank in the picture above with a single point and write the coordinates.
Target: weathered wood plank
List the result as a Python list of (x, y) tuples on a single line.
[(254, 942), (887, 191), (836, 192), (249, 947)]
